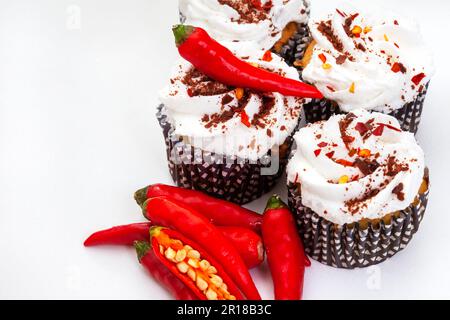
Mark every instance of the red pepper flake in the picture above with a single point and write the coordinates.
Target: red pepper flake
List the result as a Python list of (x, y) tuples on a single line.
[(330, 154), (344, 163), (417, 79), (245, 119), (378, 132), (362, 128), (395, 44), (190, 93), (317, 152), (357, 30), (380, 129), (352, 152), (392, 127), (267, 56), (331, 89), (396, 22), (323, 58), (322, 145), (398, 67), (257, 4), (365, 153)]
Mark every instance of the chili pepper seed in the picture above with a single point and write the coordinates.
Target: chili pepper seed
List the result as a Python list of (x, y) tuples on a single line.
[(204, 265), (193, 254), (193, 263), (183, 267), (181, 255), (211, 295), (192, 274), (201, 284), (212, 270), (170, 254), (216, 280)]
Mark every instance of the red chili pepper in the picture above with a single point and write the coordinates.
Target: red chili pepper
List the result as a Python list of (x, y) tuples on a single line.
[(219, 63), (248, 243), (162, 274), (120, 236), (218, 212), (193, 225), (190, 263), (285, 252)]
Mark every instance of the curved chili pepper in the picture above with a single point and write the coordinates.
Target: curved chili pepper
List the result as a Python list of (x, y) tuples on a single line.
[(219, 63), (190, 263), (219, 212), (120, 236), (193, 225), (285, 251), (248, 243), (161, 274)]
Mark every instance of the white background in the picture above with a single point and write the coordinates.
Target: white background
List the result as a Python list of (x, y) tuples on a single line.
[(78, 136)]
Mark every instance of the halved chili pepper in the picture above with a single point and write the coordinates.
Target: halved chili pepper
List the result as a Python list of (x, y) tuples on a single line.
[(161, 273), (248, 243), (219, 212), (285, 251), (193, 225), (190, 263), (219, 63)]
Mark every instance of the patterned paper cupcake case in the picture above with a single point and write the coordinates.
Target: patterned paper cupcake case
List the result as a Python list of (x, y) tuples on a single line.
[(409, 116), (296, 46), (240, 181), (354, 246)]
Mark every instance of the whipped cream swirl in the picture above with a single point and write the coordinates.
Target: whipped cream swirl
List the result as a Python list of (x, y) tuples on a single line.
[(260, 22), (378, 62), (229, 121), (357, 166)]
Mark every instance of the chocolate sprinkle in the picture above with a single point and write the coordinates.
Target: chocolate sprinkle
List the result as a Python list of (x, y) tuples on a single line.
[(398, 191), (326, 29)]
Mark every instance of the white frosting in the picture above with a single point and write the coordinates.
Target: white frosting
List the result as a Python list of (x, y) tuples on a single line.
[(223, 22), (232, 137), (319, 175), (377, 87)]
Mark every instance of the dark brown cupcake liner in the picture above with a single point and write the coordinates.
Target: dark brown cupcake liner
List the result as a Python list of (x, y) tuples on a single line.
[(236, 180), (356, 246), (296, 46), (409, 116)]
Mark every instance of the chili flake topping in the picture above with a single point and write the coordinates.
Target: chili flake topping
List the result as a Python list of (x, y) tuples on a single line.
[(417, 79)]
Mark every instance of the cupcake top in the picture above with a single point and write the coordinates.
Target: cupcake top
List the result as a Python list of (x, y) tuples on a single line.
[(259, 21), (231, 121), (357, 166), (365, 60)]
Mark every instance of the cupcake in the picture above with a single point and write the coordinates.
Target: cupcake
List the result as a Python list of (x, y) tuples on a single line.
[(364, 60), (359, 188), (277, 25), (231, 143)]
